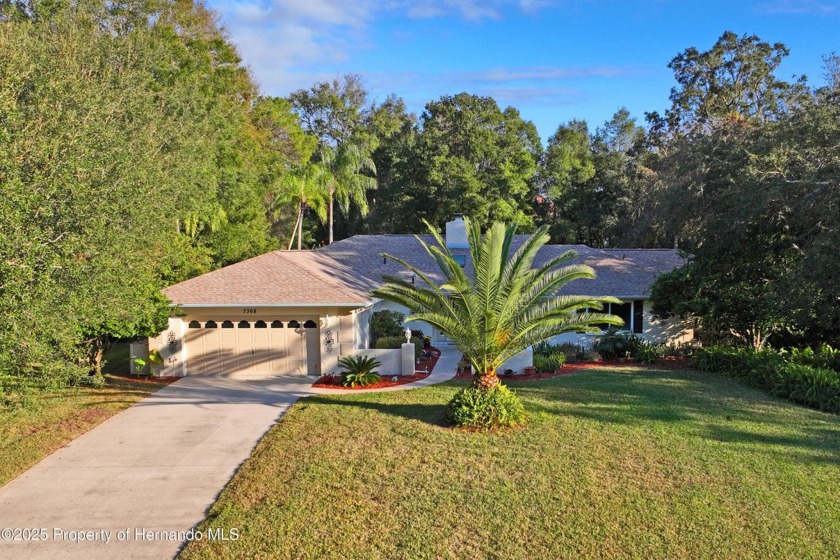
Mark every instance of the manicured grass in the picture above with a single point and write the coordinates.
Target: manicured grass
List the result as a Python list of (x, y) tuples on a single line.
[(614, 464), (53, 418)]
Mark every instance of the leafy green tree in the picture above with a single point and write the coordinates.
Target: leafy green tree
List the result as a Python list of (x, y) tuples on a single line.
[(134, 152), (469, 157), (733, 80), (334, 112), (507, 307)]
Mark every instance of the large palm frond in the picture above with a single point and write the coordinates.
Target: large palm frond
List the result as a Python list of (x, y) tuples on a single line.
[(507, 305)]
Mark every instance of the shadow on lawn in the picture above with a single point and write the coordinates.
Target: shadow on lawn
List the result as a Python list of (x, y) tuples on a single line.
[(428, 413), (710, 408)]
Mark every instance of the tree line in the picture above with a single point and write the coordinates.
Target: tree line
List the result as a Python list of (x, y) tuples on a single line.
[(136, 151)]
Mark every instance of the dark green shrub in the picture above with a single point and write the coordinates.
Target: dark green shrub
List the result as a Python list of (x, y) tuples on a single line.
[(648, 353), (396, 342), (823, 357), (548, 357), (613, 345), (582, 354), (775, 373), (679, 350), (360, 370), (386, 323), (485, 409)]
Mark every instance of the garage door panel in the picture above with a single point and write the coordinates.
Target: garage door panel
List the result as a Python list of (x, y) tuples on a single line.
[(252, 349)]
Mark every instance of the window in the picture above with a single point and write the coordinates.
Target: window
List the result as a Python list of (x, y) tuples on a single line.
[(195, 325), (227, 324), (276, 324), (460, 259), (293, 325), (260, 325), (310, 325), (244, 325), (624, 311), (638, 316), (210, 325)]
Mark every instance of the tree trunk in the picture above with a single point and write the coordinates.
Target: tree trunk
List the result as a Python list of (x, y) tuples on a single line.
[(331, 217), (486, 381), (300, 226), (97, 349)]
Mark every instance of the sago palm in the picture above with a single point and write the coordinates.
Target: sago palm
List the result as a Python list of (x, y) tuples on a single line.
[(506, 306)]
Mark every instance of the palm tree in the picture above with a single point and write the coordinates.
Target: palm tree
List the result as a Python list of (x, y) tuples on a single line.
[(346, 164), (305, 187), (507, 307)]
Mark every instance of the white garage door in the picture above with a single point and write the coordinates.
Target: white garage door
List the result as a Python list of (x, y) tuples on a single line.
[(261, 346)]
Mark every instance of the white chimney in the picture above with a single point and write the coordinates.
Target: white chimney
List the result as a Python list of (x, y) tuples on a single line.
[(456, 233)]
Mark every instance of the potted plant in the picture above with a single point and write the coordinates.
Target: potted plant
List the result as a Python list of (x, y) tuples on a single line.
[(529, 370)]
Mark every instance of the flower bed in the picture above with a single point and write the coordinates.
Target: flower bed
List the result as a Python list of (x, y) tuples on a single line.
[(425, 364)]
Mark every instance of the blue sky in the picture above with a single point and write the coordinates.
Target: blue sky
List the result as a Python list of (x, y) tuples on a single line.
[(554, 60)]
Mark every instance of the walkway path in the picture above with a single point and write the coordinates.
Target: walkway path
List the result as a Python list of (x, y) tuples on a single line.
[(126, 488)]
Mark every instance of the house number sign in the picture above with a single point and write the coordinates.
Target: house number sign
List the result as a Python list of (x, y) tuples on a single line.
[(249, 311)]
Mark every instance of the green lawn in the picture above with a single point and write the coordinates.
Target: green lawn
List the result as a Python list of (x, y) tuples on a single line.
[(53, 418), (615, 463)]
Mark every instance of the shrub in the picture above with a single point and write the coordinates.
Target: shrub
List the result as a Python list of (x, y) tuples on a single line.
[(485, 409), (823, 357), (360, 370), (776, 373), (679, 350), (548, 357), (582, 354), (614, 345), (549, 363), (385, 323), (396, 342), (647, 353)]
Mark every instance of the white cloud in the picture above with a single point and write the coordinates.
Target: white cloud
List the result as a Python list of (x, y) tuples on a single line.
[(289, 44), (544, 73), (534, 95)]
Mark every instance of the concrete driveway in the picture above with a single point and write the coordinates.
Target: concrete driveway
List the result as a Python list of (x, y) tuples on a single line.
[(151, 470), (134, 485)]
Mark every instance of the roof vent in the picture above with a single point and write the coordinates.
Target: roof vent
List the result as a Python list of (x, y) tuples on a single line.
[(456, 233)]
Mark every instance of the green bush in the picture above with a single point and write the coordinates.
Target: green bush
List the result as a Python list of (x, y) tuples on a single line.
[(648, 353), (823, 357), (679, 350), (776, 373), (613, 345), (485, 409), (396, 342), (548, 357), (360, 371), (386, 323)]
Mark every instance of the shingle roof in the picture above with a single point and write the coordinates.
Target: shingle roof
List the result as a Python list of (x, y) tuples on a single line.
[(625, 273), (344, 272), (275, 278)]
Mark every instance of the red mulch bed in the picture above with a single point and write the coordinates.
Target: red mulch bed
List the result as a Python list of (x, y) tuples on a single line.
[(426, 364), (143, 378), (669, 362)]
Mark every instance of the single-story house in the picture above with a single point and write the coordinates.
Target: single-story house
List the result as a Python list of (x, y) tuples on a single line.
[(297, 312)]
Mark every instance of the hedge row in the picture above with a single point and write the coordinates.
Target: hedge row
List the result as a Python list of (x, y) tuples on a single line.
[(775, 372), (392, 342)]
